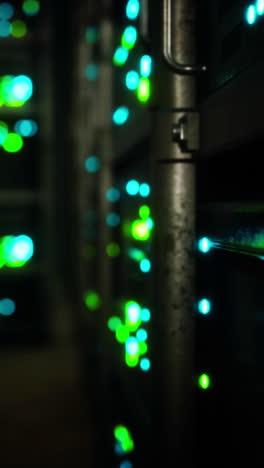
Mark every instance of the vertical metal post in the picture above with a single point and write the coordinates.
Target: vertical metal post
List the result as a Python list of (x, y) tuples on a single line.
[(175, 207)]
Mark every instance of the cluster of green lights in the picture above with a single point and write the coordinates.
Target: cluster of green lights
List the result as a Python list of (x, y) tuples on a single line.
[(16, 28), (7, 307), (128, 41), (15, 251), (253, 12), (124, 442), (15, 91), (11, 142), (92, 300), (141, 230), (132, 335), (140, 82)]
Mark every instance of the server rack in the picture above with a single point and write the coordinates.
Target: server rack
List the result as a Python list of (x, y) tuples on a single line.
[(192, 405)]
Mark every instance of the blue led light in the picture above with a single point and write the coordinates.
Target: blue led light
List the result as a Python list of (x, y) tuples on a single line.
[(142, 335), (119, 449), (120, 115), (132, 346), (92, 164), (145, 66), (129, 37), (7, 307), (23, 248), (260, 7), (6, 11), (5, 28), (145, 265), (145, 364), (113, 194), (132, 9), (91, 35), (144, 190), (251, 14), (204, 306), (132, 187), (120, 56), (145, 315), (22, 87), (132, 80), (205, 245), (26, 128), (92, 71), (126, 464), (113, 219)]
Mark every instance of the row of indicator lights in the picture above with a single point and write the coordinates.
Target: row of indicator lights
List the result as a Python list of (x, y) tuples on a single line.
[(16, 28), (204, 307), (140, 81), (15, 91), (254, 11), (13, 142), (15, 251)]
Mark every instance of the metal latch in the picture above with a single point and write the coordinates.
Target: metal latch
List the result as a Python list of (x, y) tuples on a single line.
[(187, 132)]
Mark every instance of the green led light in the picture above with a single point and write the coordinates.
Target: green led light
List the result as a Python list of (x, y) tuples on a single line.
[(132, 311), (145, 265), (132, 9), (113, 323), (13, 143), (140, 230), (18, 29), (120, 115), (205, 245), (31, 7), (144, 211), (121, 433), (204, 306), (129, 37), (92, 300), (143, 91), (113, 250), (15, 251), (143, 347), (131, 361), (136, 254), (120, 56), (145, 66), (251, 14), (122, 333), (204, 381), (132, 80)]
